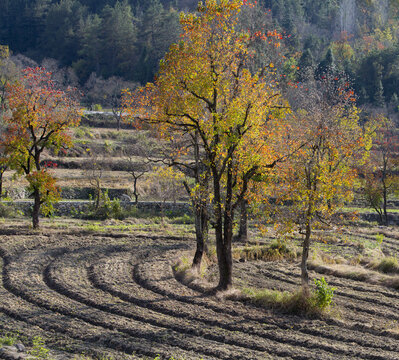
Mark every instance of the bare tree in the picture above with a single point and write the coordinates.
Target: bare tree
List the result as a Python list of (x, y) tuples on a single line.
[(107, 92), (380, 175)]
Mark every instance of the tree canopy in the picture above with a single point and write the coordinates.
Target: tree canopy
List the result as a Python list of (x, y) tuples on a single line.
[(38, 118), (205, 87)]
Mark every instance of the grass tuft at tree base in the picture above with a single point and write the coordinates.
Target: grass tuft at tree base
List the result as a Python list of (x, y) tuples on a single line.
[(318, 303)]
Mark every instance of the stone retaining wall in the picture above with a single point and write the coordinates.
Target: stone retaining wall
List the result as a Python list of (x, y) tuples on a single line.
[(67, 208)]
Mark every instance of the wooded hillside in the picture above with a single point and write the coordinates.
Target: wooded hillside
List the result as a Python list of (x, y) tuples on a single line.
[(128, 38)]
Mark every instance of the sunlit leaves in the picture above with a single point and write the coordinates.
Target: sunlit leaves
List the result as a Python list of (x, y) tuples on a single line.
[(320, 177), (207, 89), (38, 119)]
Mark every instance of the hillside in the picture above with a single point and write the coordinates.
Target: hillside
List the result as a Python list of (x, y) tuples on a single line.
[(126, 39)]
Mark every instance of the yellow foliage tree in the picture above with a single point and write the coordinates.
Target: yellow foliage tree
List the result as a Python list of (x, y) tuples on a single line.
[(204, 87), (320, 176)]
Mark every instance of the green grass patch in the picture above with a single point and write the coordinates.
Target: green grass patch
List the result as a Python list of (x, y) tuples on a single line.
[(386, 265)]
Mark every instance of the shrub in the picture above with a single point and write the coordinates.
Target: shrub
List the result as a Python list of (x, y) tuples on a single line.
[(107, 209), (83, 132), (293, 302), (285, 301), (6, 211), (97, 107), (323, 294), (184, 219)]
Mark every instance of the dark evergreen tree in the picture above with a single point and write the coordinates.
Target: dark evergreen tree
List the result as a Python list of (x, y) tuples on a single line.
[(379, 99), (394, 102), (363, 96), (118, 37), (60, 37), (158, 29), (96, 6), (327, 65), (90, 48), (306, 66)]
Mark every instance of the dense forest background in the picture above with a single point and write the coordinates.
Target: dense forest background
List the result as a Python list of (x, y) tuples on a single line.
[(103, 45)]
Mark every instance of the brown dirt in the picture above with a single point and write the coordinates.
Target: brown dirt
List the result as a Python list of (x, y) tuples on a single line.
[(115, 293)]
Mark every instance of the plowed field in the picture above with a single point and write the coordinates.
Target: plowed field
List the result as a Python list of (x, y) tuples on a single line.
[(115, 293)]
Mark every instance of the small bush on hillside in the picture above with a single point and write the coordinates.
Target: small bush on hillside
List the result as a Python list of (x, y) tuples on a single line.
[(107, 208), (7, 211), (83, 132), (323, 294), (184, 219), (97, 107)]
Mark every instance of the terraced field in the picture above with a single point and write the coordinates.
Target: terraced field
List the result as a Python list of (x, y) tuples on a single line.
[(114, 293)]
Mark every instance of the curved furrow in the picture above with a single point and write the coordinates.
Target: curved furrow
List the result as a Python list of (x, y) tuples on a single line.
[(118, 294), (381, 295), (278, 333), (360, 306), (77, 287), (291, 274), (95, 339), (287, 334), (357, 320), (33, 289)]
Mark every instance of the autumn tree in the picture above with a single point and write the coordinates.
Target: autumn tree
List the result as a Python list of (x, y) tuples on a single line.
[(204, 87), (8, 74), (380, 178), (320, 176), (38, 119)]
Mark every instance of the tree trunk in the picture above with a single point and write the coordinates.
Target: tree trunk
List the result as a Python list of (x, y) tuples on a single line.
[(385, 204), (225, 259), (201, 232), (1, 183), (135, 193), (381, 218), (224, 231), (243, 231), (384, 187), (118, 117), (98, 194), (305, 255), (36, 208)]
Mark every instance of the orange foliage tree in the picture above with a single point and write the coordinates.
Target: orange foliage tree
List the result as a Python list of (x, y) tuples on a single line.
[(39, 117), (320, 176), (205, 88)]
